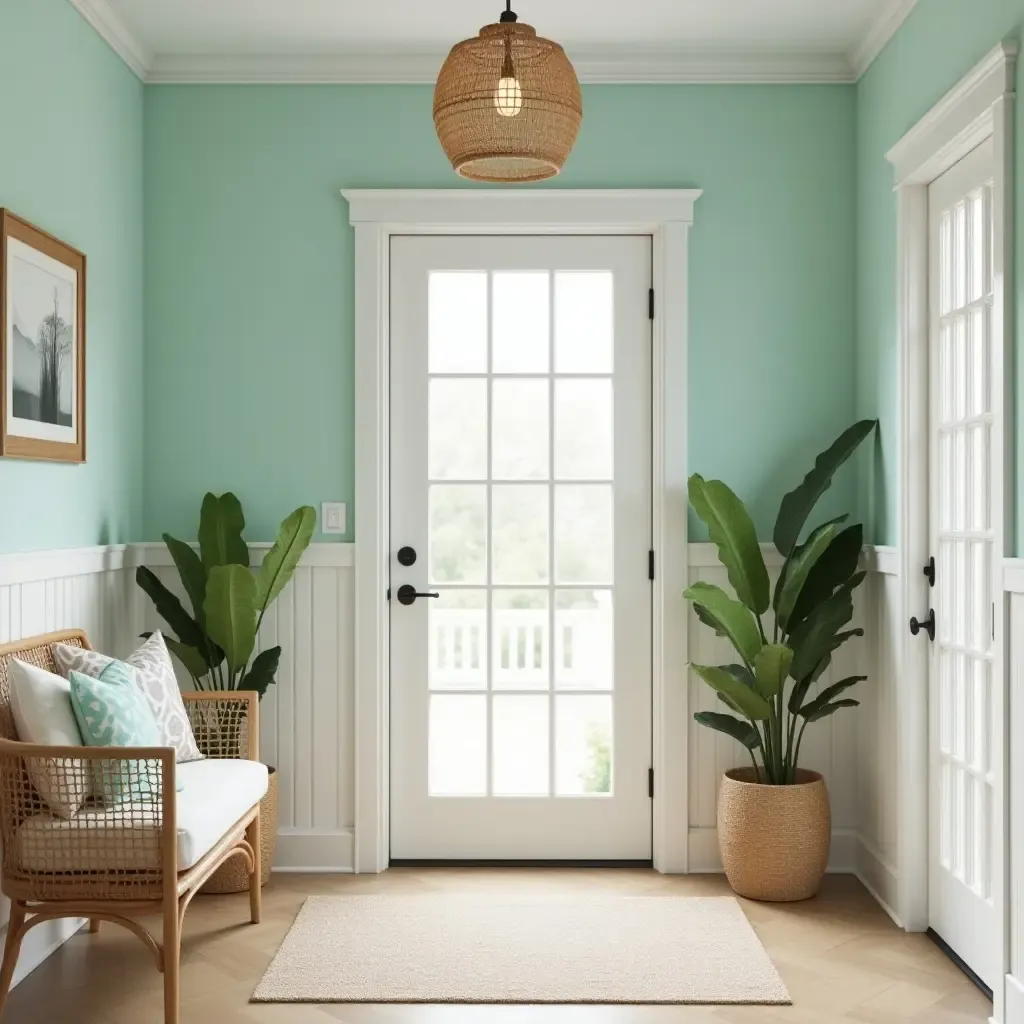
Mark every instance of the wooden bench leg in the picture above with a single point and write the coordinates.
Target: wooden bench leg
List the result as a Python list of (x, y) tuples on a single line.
[(252, 835), (172, 963), (11, 949), (94, 925)]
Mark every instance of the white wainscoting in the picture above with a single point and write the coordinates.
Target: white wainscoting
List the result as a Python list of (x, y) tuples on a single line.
[(1013, 584), (306, 720)]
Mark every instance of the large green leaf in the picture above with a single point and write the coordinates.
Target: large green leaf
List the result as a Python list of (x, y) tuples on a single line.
[(747, 701), (221, 523), (744, 732), (231, 612), (829, 709), (743, 675), (771, 666), (170, 608), (796, 698), (832, 570), (797, 505), (811, 640), (193, 661), (731, 618), (279, 564), (797, 568), (826, 696), (732, 531), (708, 620), (192, 573), (262, 671)]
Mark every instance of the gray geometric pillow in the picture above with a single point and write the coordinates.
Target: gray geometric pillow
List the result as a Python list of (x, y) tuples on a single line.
[(154, 672)]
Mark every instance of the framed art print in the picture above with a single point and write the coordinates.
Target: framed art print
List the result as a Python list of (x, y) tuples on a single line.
[(42, 344)]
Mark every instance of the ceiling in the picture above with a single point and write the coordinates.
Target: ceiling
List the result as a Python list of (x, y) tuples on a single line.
[(406, 40)]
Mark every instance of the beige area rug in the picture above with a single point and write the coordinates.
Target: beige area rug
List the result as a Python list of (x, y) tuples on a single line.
[(532, 949)]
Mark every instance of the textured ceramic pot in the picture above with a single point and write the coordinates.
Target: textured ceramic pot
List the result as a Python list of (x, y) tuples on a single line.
[(774, 840), (232, 876)]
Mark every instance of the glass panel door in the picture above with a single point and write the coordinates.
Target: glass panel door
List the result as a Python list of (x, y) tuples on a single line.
[(520, 371)]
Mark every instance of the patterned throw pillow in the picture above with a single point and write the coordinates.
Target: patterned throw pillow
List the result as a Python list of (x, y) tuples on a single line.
[(155, 673), (113, 712)]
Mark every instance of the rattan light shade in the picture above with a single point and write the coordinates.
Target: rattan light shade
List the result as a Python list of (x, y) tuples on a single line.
[(490, 131)]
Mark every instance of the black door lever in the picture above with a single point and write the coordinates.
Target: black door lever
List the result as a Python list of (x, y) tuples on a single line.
[(928, 625), (407, 594)]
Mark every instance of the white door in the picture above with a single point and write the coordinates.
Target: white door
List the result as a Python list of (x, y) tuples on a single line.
[(962, 475), (520, 484)]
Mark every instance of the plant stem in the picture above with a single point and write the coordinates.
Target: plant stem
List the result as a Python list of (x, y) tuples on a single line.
[(796, 755), (757, 773)]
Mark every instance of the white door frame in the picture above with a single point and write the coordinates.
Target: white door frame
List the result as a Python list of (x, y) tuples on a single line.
[(376, 215), (980, 107)]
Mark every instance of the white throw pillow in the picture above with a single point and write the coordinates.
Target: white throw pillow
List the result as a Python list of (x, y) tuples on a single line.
[(41, 706), (154, 672)]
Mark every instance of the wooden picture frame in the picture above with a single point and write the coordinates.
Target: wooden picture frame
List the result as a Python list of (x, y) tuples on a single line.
[(42, 344)]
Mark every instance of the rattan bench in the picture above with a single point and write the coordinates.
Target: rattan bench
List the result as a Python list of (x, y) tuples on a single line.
[(133, 871)]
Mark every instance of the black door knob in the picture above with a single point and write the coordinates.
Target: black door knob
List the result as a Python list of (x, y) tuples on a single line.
[(407, 556), (928, 625), (407, 594)]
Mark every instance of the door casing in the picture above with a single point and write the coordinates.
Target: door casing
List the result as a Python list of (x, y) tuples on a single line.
[(666, 216)]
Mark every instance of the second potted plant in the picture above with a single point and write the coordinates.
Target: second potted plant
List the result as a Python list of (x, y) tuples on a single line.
[(774, 824), (215, 643)]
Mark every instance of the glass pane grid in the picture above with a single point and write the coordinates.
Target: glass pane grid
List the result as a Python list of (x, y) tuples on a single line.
[(521, 549)]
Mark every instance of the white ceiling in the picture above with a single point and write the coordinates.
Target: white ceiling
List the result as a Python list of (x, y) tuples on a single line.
[(405, 40)]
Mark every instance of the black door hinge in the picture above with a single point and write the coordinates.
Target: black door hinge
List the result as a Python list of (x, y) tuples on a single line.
[(650, 304), (389, 593), (650, 783), (650, 565)]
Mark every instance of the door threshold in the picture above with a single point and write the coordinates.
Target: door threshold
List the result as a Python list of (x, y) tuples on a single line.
[(951, 953), (406, 862)]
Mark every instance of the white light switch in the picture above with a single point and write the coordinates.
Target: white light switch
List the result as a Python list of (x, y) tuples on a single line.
[(333, 517)]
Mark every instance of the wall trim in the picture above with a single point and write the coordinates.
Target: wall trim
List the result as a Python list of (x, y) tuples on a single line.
[(886, 24), (706, 860), (884, 560), (377, 215), (112, 29), (314, 852), (320, 553), (878, 876), (1013, 575)]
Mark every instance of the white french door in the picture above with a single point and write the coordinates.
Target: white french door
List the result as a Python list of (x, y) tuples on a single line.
[(520, 523), (963, 673)]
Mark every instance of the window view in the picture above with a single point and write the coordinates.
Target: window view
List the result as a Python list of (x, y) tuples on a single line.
[(521, 533)]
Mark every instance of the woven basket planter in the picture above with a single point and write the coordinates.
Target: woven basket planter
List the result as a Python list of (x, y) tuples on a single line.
[(774, 840), (232, 876)]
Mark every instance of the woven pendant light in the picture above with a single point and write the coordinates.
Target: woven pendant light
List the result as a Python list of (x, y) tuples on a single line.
[(507, 105)]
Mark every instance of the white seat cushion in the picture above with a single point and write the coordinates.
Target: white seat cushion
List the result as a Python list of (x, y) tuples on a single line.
[(215, 795)]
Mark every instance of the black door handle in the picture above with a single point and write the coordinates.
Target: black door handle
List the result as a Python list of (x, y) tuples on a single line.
[(407, 594), (928, 625)]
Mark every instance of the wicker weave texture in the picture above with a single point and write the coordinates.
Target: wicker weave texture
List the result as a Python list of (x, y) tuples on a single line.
[(480, 142), (774, 840)]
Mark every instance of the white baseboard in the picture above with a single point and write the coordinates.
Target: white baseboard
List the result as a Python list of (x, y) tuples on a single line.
[(314, 852), (705, 859), (878, 876), (40, 942), (1013, 1008)]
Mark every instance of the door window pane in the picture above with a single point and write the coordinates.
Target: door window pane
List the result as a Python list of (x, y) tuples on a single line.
[(458, 640), (583, 746), (520, 429), (458, 533), (457, 322), (457, 429), (584, 322), (458, 746), (521, 746), (519, 540), (521, 643), (522, 322), (584, 640), (583, 429), (584, 540)]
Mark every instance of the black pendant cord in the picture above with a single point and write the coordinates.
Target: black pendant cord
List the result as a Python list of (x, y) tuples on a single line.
[(508, 14)]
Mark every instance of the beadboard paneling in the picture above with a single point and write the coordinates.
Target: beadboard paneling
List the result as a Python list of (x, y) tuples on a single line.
[(1015, 894), (830, 746)]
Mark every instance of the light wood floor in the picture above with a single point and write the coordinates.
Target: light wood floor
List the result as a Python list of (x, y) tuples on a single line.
[(840, 955)]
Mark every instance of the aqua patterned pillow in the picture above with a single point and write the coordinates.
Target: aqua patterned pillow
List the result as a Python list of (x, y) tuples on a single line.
[(112, 711)]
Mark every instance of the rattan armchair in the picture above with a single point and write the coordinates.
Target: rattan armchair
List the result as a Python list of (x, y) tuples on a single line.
[(128, 868)]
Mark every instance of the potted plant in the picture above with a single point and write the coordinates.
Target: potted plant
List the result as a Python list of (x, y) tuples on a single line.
[(774, 824), (215, 643)]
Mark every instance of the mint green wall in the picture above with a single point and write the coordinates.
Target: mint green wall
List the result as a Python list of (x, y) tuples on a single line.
[(248, 275), (71, 162), (937, 45)]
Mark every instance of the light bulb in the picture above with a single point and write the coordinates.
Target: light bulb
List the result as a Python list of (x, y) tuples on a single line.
[(508, 97)]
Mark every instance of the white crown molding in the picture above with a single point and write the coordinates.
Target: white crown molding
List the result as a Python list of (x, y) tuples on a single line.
[(637, 67), (880, 31), (117, 35)]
